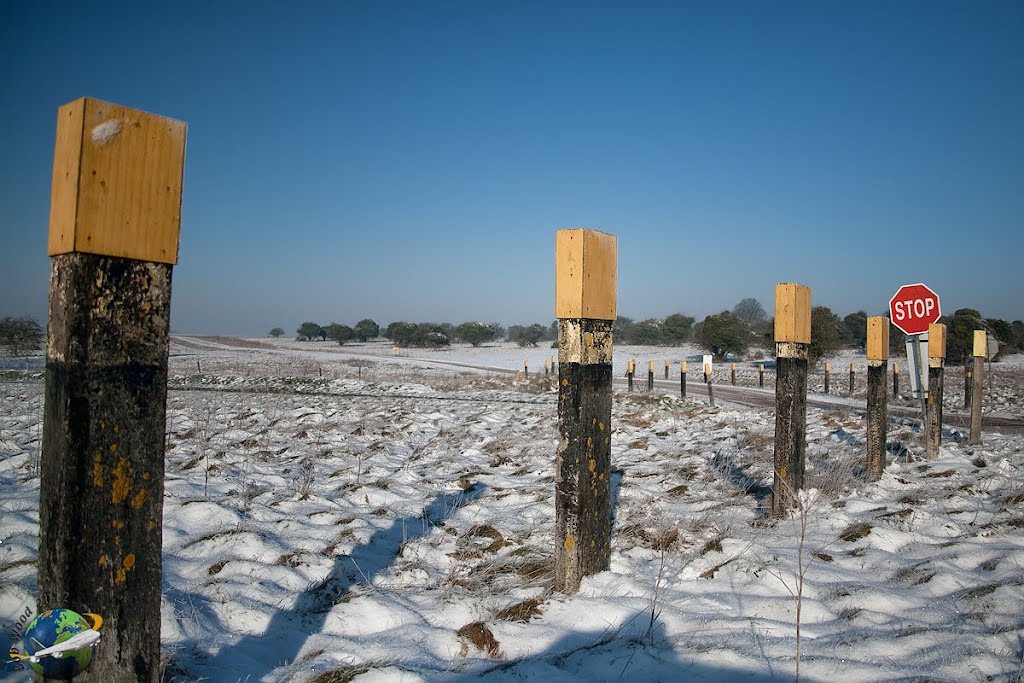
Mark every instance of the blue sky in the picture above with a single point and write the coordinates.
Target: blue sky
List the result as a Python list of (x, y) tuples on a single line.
[(412, 160)]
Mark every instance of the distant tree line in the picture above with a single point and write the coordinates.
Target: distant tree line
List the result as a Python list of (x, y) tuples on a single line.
[(729, 333)]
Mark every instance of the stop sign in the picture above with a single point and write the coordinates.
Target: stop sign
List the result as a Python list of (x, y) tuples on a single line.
[(913, 308)]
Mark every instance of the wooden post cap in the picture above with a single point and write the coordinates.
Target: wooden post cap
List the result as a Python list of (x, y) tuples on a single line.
[(827, 366), (853, 367), (895, 368), (585, 274), (878, 338), (650, 366), (682, 367), (937, 341), (707, 369), (980, 343), (117, 177), (792, 313)]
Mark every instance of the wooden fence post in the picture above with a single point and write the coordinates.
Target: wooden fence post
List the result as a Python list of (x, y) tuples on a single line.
[(650, 375), (114, 221), (895, 380), (936, 369), (978, 386), (827, 369), (732, 374), (877, 403), (554, 365), (547, 369), (968, 382), (585, 307), (760, 375), (630, 367), (711, 388), (853, 375), (682, 379), (667, 364), (792, 339), (526, 369)]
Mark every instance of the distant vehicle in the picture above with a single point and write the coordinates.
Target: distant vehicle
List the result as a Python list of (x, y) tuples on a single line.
[(768, 364)]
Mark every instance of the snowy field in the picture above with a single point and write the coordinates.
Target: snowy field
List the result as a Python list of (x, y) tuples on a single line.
[(336, 514)]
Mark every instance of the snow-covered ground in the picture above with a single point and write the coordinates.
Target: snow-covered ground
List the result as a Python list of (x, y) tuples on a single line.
[(336, 513)]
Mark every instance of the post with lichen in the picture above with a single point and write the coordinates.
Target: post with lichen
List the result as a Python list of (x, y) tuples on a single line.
[(114, 222), (977, 385), (585, 277), (877, 401), (792, 341), (936, 369)]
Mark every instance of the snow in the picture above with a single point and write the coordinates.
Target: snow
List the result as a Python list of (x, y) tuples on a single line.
[(342, 509)]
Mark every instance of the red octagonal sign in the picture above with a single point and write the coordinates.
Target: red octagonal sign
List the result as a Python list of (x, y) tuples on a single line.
[(913, 308)]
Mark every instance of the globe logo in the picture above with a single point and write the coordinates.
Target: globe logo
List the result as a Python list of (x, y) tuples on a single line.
[(58, 643)]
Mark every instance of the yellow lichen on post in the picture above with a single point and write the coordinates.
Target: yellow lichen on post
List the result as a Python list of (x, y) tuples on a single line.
[(878, 338), (937, 341), (792, 313), (585, 274), (117, 178)]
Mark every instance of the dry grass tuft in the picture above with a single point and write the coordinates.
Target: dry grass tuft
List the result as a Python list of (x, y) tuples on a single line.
[(481, 638)]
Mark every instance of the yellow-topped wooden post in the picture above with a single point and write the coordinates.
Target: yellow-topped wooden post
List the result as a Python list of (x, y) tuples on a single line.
[(585, 288), (682, 379), (978, 384), (936, 370), (877, 402), (650, 375), (114, 222), (792, 340)]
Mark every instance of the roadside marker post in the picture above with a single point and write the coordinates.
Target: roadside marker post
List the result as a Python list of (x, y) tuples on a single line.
[(877, 402), (978, 384), (760, 375), (667, 365), (792, 341), (650, 375), (585, 280), (732, 374), (936, 369), (115, 212), (682, 379), (711, 388), (828, 369)]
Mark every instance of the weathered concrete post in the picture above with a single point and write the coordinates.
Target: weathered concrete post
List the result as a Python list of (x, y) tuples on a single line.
[(936, 369), (115, 214), (650, 375), (792, 339), (877, 402), (827, 372), (585, 276), (978, 386), (853, 375), (682, 379)]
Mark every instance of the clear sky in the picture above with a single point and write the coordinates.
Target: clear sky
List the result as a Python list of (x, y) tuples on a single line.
[(412, 160)]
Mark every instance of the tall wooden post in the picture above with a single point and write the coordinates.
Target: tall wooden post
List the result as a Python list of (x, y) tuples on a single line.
[(667, 364), (526, 368), (682, 379), (853, 375), (792, 339), (732, 374), (968, 382), (630, 370), (585, 277), (760, 375), (711, 389), (877, 403), (650, 375), (546, 368), (978, 386), (895, 380), (936, 368), (114, 222)]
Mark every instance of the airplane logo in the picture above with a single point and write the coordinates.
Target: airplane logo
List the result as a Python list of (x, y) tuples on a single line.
[(87, 638)]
